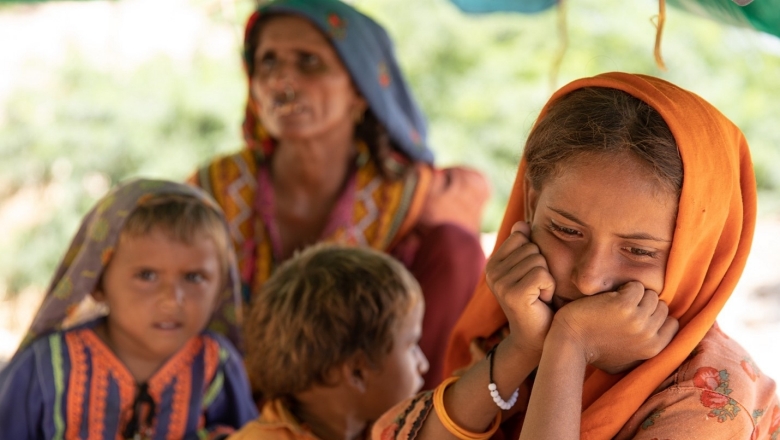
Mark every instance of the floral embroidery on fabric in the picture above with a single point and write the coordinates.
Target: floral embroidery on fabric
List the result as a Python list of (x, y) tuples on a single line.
[(63, 289), (99, 230), (774, 428), (107, 203), (384, 75), (338, 26), (106, 255), (716, 393), (750, 369), (756, 414), (650, 420)]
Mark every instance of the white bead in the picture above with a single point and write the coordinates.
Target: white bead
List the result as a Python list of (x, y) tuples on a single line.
[(501, 403)]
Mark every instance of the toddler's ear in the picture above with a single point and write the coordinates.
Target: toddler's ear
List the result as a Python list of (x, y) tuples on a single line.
[(354, 372)]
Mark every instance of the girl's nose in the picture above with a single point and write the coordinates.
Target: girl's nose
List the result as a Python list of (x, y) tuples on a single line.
[(594, 271), (172, 295)]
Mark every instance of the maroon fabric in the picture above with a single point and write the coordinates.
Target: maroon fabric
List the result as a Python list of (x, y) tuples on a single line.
[(447, 260)]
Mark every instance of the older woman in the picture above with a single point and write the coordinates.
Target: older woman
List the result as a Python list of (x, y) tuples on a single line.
[(336, 151)]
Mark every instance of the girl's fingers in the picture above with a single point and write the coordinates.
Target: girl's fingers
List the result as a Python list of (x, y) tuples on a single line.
[(649, 302), (522, 227), (668, 330), (506, 275)]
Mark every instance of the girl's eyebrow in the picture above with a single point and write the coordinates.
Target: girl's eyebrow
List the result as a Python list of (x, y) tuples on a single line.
[(634, 236), (568, 215)]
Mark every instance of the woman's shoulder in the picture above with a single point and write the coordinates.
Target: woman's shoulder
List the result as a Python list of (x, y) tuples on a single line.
[(226, 169)]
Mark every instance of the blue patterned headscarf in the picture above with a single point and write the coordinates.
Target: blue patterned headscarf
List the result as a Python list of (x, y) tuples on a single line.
[(367, 52)]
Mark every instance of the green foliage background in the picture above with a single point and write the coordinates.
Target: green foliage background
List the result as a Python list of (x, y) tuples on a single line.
[(480, 79)]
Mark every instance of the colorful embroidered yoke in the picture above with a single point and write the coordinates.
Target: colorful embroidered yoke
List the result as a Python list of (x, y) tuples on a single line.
[(372, 211), (718, 392), (70, 385)]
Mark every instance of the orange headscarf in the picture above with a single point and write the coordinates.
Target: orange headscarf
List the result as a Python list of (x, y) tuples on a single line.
[(712, 239)]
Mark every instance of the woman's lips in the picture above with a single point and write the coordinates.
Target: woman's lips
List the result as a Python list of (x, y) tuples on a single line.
[(287, 108)]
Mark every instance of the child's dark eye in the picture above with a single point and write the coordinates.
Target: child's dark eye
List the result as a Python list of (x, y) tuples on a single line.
[(564, 230), (194, 277), (147, 275)]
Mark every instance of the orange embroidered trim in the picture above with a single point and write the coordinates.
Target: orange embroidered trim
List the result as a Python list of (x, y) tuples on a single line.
[(105, 364), (210, 360), (177, 368), (77, 382)]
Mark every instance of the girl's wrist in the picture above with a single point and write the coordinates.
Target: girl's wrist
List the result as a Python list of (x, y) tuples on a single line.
[(516, 348), (564, 340)]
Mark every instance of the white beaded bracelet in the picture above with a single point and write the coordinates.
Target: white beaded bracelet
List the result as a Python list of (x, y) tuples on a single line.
[(501, 403)]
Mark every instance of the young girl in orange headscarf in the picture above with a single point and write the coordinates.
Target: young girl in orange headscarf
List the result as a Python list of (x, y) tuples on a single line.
[(627, 230)]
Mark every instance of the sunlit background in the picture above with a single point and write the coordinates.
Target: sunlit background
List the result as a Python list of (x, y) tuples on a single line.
[(94, 92)]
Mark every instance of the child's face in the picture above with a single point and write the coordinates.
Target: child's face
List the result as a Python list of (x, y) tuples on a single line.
[(160, 293), (600, 224), (399, 376)]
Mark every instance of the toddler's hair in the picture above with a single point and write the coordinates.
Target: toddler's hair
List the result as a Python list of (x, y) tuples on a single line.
[(597, 120), (321, 307), (182, 218)]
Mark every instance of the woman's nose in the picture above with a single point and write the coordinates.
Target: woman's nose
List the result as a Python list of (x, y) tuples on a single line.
[(593, 271), (283, 76)]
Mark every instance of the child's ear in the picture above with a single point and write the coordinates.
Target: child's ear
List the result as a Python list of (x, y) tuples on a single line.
[(531, 199), (98, 295), (355, 372)]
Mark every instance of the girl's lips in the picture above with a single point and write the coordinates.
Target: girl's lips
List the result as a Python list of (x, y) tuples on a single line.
[(558, 302), (167, 325)]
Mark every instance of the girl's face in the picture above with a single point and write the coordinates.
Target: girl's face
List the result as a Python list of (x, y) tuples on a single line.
[(160, 293), (602, 222), (299, 83)]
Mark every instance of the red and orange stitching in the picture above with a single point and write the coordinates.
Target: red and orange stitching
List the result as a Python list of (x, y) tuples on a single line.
[(76, 383), (105, 362)]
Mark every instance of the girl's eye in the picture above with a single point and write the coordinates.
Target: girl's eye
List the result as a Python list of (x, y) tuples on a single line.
[(564, 230), (194, 277), (146, 275), (641, 252)]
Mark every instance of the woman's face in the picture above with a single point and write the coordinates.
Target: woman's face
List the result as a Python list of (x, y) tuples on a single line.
[(600, 224), (299, 84)]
